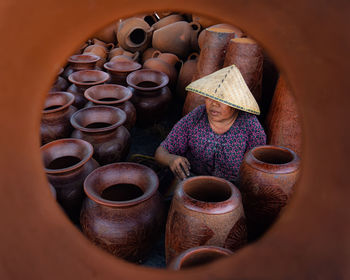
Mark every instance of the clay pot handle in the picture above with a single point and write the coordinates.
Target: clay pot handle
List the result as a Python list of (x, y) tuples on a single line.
[(135, 56), (197, 25), (156, 53), (109, 46), (193, 56)]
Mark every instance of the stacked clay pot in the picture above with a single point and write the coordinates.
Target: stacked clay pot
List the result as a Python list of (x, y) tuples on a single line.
[(119, 70), (67, 162), (205, 210), (102, 127), (55, 117), (267, 178), (80, 62), (122, 197), (113, 95)]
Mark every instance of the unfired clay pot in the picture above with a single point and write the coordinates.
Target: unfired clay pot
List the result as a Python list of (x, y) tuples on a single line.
[(205, 210), (197, 256), (123, 211), (67, 163), (119, 70), (56, 115), (113, 95), (102, 127), (82, 80), (186, 74), (151, 96), (266, 180)]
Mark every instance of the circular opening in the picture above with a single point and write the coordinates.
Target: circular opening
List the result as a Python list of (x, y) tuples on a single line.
[(83, 58), (63, 162), (88, 77), (57, 101), (122, 66), (108, 94), (122, 192), (150, 20), (138, 36), (147, 80), (208, 190), (273, 156)]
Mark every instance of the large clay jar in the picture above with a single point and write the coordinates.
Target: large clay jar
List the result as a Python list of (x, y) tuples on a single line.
[(119, 70), (197, 256), (134, 34), (151, 96), (205, 210), (78, 62), (187, 72), (67, 163), (82, 80), (211, 59), (56, 115), (167, 20), (102, 127), (283, 124), (178, 38), (113, 95), (266, 180), (167, 63), (123, 212), (246, 54)]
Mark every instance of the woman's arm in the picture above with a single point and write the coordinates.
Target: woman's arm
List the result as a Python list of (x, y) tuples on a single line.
[(179, 165)]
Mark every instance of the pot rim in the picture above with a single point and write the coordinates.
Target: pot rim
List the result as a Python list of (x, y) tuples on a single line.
[(212, 208), (71, 78), (132, 74), (86, 158), (120, 122), (75, 58), (128, 94), (288, 167), (133, 66), (69, 103), (96, 197)]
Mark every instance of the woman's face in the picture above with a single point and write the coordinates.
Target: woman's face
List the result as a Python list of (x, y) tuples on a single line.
[(218, 111)]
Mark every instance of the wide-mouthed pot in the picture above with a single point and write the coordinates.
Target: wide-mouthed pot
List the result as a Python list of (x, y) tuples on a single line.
[(119, 70)]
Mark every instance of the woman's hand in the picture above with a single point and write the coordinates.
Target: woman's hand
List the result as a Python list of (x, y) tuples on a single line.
[(180, 166)]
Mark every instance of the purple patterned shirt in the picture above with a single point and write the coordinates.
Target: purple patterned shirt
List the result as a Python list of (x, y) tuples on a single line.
[(210, 153)]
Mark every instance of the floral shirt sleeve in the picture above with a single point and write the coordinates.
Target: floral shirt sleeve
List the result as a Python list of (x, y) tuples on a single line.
[(256, 134)]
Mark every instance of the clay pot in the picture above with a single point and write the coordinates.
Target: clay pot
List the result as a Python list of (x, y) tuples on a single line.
[(107, 34), (102, 127), (134, 34), (204, 21), (266, 179), (60, 84), (151, 96), (283, 125), (119, 70), (123, 198), (187, 72), (82, 80), (197, 256), (147, 54), (178, 38), (67, 162), (121, 52), (246, 54), (99, 49), (55, 116), (205, 210), (167, 63), (211, 59), (85, 61), (167, 20), (113, 95)]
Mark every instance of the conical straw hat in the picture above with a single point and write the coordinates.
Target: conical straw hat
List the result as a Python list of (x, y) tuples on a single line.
[(227, 86)]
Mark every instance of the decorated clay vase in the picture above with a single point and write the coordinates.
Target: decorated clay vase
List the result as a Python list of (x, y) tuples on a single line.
[(102, 127), (151, 96), (113, 95), (67, 162), (266, 180), (186, 74), (205, 210), (197, 256), (119, 70), (82, 80), (56, 115), (123, 212)]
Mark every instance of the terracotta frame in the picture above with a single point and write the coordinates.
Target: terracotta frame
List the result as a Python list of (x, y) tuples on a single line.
[(309, 41)]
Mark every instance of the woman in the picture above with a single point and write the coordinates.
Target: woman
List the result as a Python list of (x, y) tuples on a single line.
[(213, 138)]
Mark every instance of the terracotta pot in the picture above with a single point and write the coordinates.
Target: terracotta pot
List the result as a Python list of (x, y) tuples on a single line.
[(99, 49), (211, 59), (147, 54), (151, 96), (134, 34), (197, 256), (113, 95), (97, 42), (107, 34), (78, 62), (102, 127), (266, 179), (149, 18), (119, 70), (205, 210), (82, 80), (123, 198), (283, 124), (55, 116), (67, 162), (121, 52), (204, 21), (178, 38), (167, 63), (187, 72), (167, 20), (247, 55)]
